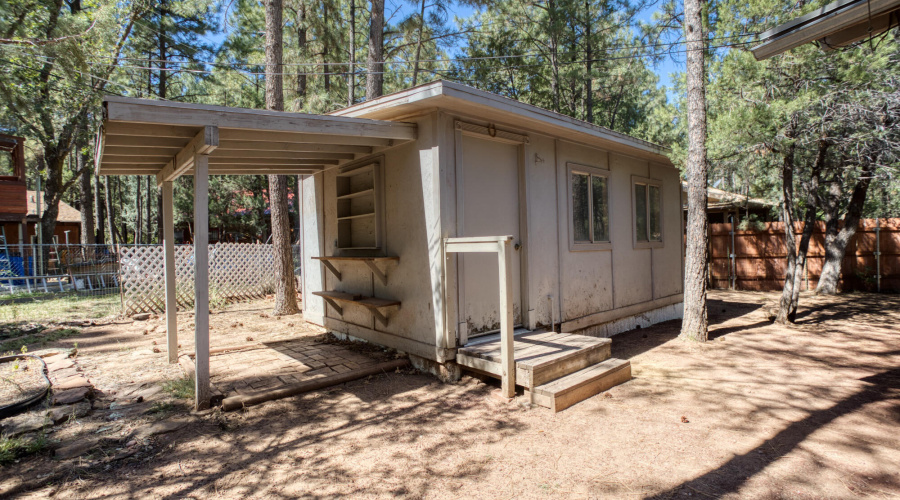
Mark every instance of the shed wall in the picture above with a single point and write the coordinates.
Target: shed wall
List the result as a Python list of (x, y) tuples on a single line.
[(411, 216)]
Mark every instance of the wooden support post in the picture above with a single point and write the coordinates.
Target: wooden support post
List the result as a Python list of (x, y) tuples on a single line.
[(507, 348), (169, 250), (201, 281)]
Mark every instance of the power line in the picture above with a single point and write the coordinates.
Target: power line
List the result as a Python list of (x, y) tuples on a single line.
[(363, 70)]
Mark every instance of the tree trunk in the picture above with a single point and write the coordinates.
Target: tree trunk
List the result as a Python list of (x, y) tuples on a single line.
[(99, 214), (139, 212), (149, 216), (285, 291), (790, 239), (415, 80), (695, 325), (836, 240), (375, 58), (588, 63), (351, 77), (326, 68), (86, 195), (110, 216), (301, 46), (812, 207)]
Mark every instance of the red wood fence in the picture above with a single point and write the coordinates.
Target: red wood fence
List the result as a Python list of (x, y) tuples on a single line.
[(759, 259)]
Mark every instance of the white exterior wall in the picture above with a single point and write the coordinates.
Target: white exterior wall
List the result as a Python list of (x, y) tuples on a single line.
[(584, 290), (411, 231)]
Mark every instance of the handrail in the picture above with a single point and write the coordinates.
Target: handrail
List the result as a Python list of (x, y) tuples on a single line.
[(501, 245)]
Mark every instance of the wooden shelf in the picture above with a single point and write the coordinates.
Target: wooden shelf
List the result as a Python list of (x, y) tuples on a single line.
[(373, 304), (357, 216), (368, 261), (357, 194)]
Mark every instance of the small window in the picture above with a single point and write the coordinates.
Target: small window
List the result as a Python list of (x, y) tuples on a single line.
[(647, 212), (590, 206), (7, 165)]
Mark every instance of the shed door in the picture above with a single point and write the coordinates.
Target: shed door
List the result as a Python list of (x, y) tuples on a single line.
[(490, 207)]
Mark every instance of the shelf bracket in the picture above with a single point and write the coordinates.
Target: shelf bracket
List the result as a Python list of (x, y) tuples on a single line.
[(336, 307), (330, 267), (380, 317), (377, 272)]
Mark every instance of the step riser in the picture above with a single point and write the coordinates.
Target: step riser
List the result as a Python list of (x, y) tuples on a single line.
[(560, 368), (570, 396)]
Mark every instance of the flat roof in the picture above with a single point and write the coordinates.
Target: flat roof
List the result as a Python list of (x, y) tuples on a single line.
[(153, 137), (452, 95), (835, 25)]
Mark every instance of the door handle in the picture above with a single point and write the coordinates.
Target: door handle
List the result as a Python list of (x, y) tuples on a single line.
[(517, 246)]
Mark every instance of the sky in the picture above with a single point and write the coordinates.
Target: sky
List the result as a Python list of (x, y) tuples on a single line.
[(399, 9), (663, 69)]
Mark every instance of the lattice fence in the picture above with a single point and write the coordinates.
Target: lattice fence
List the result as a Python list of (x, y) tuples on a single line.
[(237, 271)]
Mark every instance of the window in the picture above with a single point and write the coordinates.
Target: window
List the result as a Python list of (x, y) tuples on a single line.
[(589, 193), (647, 212)]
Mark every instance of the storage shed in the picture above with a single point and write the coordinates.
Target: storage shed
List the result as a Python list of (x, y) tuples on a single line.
[(594, 216), (455, 225)]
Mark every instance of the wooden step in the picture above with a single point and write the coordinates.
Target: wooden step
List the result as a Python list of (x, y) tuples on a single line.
[(576, 387), (540, 357)]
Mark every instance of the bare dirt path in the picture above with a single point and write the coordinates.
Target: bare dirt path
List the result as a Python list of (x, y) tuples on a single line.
[(810, 411)]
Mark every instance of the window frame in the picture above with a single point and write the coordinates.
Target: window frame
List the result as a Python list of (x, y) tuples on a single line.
[(646, 182), (590, 171)]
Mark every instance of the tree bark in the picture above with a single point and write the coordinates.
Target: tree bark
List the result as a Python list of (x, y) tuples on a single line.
[(695, 325), (351, 78), (588, 64), (415, 80), (375, 58), (99, 212), (836, 240), (301, 46), (139, 212), (110, 216), (86, 194), (285, 291), (812, 207)]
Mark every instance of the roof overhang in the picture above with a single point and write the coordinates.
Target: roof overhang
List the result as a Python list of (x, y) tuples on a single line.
[(149, 137), (442, 94), (835, 25)]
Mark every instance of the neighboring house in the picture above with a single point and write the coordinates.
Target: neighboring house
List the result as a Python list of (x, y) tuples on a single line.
[(725, 206), (18, 205), (393, 187), (833, 26), (69, 219)]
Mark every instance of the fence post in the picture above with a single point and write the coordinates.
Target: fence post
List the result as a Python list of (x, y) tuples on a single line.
[(878, 254)]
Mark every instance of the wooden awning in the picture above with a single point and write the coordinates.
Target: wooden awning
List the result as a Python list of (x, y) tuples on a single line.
[(149, 137)]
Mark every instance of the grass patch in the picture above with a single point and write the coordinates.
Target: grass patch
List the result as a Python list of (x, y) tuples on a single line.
[(14, 448), (32, 340), (161, 407), (182, 388), (58, 307)]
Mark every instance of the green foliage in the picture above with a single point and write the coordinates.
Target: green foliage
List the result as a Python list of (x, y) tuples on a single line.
[(12, 449), (12, 343), (181, 388)]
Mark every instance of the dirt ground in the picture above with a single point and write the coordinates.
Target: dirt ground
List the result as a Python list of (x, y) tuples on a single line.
[(810, 411)]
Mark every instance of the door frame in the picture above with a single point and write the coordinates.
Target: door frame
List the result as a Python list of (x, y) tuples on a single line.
[(491, 133)]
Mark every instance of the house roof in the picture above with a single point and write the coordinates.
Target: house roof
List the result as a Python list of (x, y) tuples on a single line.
[(835, 25), (469, 100), (151, 137), (67, 213)]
